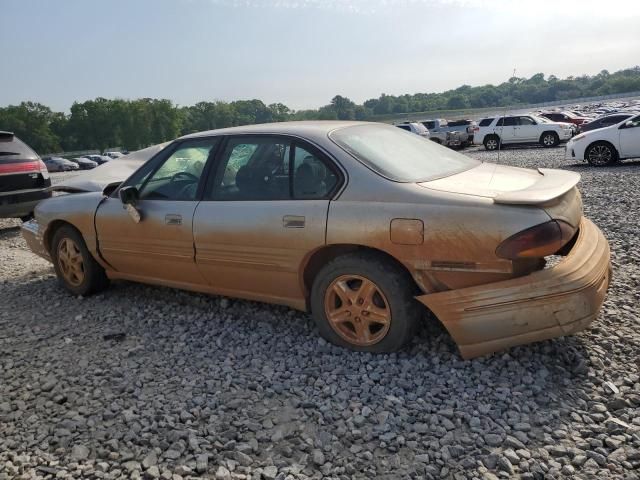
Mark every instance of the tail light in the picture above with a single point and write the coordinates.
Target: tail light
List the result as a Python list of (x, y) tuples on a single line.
[(536, 242)]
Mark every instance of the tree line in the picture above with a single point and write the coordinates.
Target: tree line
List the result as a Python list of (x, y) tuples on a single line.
[(133, 124)]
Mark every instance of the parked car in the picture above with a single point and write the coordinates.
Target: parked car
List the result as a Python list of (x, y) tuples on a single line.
[(84, 163), (113, 154), (566, 117), (605, 146), (605, 121), (99, 159), (23, 178), (461, 130), (415, 127), (521, 129), (59, 164), (330, 217)]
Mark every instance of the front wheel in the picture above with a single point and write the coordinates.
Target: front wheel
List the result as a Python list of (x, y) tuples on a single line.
[(75, 267), (549, 139), (366, 303), (601, 154)]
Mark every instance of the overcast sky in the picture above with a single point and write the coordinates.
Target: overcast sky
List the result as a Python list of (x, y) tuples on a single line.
[(299, 52)]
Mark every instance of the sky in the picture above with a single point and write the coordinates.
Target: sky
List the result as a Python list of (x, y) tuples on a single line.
[(299, 52)]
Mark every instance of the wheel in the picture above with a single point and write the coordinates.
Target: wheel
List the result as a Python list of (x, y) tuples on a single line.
[(365, 303), (75, 267), (491, 142), (549, 139), (601, 154)]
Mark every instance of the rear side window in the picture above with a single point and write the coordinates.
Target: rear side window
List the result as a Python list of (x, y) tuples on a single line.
[(404, 127), (12, 148), (486, 122), (507, 122)]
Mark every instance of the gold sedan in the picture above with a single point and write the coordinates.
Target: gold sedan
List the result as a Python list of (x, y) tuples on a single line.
[(364, 224)]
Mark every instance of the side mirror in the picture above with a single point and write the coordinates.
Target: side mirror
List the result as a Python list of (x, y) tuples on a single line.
[(129, 195), (627, 124)]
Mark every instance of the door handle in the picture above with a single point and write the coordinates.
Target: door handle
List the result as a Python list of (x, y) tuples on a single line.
[(293, 221), (173, 219)]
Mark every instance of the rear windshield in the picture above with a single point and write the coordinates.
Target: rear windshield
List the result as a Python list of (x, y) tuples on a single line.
[(12, 148), (486, 122), (398, 155)]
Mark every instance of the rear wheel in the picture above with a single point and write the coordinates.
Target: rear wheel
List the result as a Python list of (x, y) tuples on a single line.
[(365, 303), (491, 142), (75, 267), (601, 154), (549, 139)]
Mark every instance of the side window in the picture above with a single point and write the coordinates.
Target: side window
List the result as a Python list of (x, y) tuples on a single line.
[(526, 121), (429, 125), (178, 176), (508, 122), (253, 168), (312, 178), (486, 122), (404, 127)]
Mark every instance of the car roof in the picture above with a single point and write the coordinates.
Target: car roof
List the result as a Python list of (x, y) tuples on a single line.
[(295, 128)]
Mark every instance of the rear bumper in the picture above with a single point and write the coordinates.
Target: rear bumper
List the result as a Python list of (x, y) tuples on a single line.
[(549, 303), (20, 203)]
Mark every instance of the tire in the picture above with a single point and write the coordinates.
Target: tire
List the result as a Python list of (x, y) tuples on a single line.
[(549, 139), (491, 142), (382, 319), (75, 267), (601, 154)]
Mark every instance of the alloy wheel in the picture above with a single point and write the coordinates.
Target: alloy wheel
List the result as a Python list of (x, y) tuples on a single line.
[(549, 140), (357, 310), (600, 155), (70, 262)]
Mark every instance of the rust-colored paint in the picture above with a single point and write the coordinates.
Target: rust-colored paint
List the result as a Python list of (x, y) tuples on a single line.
[(545, 304), (446, 240), (407, 231)]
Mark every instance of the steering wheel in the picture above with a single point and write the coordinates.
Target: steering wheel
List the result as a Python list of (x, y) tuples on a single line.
[(185, 174)]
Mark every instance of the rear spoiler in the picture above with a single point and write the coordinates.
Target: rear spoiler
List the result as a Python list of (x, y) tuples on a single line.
[(553, 184), (6, 136)]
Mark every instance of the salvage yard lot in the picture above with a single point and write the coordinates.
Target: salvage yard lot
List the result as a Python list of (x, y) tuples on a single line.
[(207, 386)]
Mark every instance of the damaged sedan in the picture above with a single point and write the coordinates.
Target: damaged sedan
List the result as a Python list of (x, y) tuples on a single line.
[(365, 225)]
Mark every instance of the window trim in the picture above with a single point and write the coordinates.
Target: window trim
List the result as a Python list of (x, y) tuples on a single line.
[(215, 171)]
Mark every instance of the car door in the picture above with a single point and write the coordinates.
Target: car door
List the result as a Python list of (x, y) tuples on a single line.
[(526, 129), (630, 138), (160, 246), (505, 128), (264, 212)]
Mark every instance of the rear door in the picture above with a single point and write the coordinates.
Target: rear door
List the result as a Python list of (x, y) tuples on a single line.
[(160, 246), (505, 128), (264, 211), (630, 138)]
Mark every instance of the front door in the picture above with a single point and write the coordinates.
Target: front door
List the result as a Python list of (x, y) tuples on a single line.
[(630, 138), (265, 212), (160, 246), (526, 130)]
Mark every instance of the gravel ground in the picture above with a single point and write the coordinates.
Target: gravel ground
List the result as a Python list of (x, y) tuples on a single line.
[(146, 382)]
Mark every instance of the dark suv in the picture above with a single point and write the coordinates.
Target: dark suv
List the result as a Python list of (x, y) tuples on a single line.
[(23, 178)]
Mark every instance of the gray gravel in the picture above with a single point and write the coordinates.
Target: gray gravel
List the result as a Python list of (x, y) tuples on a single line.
[(202, 386)]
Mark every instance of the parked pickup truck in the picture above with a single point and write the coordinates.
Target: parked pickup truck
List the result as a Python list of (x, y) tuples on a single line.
[(521, 129), (461, 130)]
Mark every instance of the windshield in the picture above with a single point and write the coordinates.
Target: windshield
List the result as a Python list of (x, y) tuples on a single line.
[(399, 155)]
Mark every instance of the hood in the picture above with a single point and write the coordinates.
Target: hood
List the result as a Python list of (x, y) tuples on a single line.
[(511, 185), (116, 170)]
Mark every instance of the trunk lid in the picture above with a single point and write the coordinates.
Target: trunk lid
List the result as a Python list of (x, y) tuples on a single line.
[(508, 185)]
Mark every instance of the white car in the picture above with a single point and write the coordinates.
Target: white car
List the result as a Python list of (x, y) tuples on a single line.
[(414, 127), (521, 129), (605, 146), (114, 154)]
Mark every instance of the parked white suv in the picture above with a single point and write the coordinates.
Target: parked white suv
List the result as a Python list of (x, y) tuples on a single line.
[(521, 129), (605, 146)]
